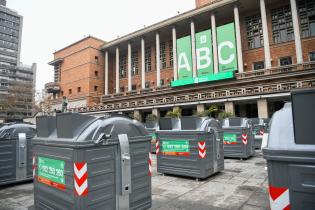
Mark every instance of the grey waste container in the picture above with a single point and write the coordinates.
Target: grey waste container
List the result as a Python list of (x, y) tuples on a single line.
[(16, 152), (237, 138), (84, 162), (290, 154), (194, 151), (152, 127), (259, 128)]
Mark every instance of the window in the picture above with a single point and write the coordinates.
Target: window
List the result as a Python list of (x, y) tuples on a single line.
[(163, 55), (162, 82), (285, 61), (96, 73), (134, 87), (148, 59), (147, 84), (70, 91), (96, 59), (259, 65), (79, 89), (312, 56), (171, 53), (122, 89), (306, 9), (282, 26), (254, 31), (122, 66), (61, 93), (95, 88), (134, 63)]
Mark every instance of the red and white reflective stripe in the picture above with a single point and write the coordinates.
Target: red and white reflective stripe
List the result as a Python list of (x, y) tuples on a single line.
[(261, 132), (157, 147), (150, 164), (33, 166), (202, 149), (244, 138), (80, 179), (279, 198)]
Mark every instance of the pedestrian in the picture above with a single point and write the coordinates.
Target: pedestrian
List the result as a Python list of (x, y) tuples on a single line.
[(64, 104)]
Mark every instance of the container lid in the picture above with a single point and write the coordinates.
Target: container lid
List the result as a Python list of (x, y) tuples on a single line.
[(281, 135), (74, 127), (235, 122), (11, 131)]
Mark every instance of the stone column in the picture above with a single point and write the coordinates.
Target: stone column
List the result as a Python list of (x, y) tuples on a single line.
[(117, 70), (238, 40), (265, 34), (200, 108), (193, 48), (156, 112), (106, 74), (129, 68), (174, 53), (262, 105), (158, 60), (214, 43), (297, 36), (137, 115), (142, 63), (229, 107)]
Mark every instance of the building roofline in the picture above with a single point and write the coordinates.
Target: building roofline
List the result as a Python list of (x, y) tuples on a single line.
[(81, 40), (168, 22)]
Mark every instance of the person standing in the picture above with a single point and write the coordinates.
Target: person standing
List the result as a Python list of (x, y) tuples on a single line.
[(64, 104)]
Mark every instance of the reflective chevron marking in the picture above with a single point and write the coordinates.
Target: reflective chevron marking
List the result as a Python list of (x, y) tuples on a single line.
[(157, 147), (279, 198), (244, 138), (80, 179), (202, 149), (150, 164)]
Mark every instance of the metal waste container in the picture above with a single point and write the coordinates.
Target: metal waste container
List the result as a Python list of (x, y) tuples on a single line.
[(16, 152), (84, 162), (259, 128), (195, 150), (237, 138), (290, 154), (152, 128)]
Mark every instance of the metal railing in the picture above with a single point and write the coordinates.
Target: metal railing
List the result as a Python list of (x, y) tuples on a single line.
[(253, 90)]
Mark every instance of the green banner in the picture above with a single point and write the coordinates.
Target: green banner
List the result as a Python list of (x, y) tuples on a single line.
[(51, 172), (204, 54), (227, 51), (175, 147), (229, 138), (184, 58)]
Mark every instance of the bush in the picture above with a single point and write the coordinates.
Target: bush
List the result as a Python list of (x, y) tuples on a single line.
[(176, 113), (225, 114), (151, 117), (201, 114)]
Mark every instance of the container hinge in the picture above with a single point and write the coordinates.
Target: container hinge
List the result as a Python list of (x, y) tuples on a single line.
[(125, 172)]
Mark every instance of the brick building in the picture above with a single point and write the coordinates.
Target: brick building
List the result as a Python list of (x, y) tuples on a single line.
[(257, 52), (78, 74)]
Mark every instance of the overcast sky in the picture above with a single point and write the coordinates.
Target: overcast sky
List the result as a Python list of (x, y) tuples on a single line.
[(50, 25)]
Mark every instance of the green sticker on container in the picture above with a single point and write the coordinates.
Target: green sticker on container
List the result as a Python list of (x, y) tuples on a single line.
[(175, 147), (51, 172), (153, 135), (229, 138)]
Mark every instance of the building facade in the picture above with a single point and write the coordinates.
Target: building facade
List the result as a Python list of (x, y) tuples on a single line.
[(15, 102), (243, 55), (78, 74)]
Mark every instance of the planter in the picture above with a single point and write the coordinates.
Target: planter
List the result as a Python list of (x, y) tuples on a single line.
[(151, 124), (168, 123), (191, 123)]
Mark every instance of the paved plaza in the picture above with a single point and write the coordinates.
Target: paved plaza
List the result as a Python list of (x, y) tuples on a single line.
[(242, 185)]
